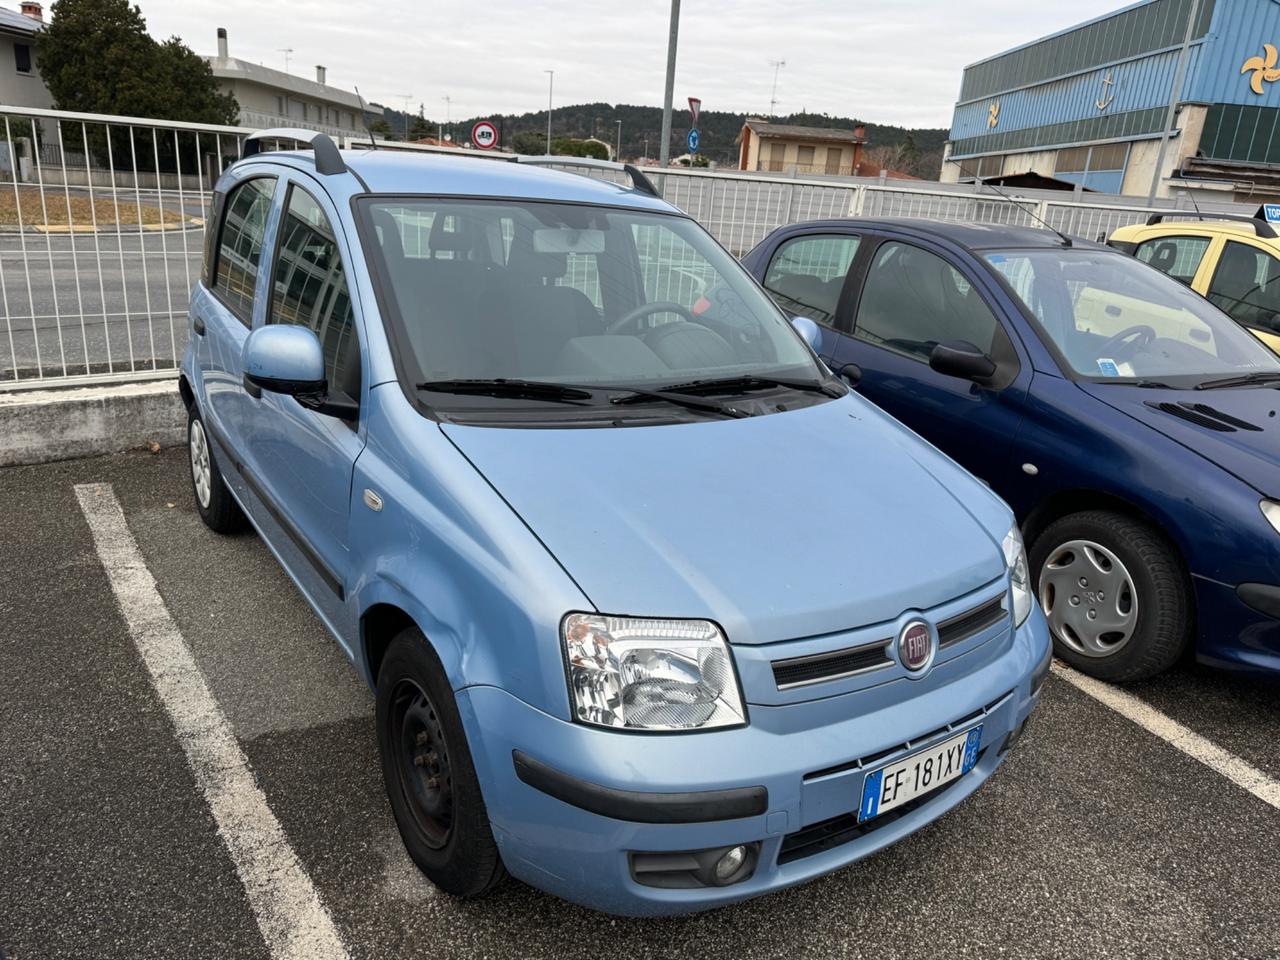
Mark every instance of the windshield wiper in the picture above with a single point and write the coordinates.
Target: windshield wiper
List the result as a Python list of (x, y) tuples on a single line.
[(501, 387), (752, 382), (573, 393), (1244, 380)]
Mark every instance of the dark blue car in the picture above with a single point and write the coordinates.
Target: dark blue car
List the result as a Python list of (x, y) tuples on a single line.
[(1130, 424)]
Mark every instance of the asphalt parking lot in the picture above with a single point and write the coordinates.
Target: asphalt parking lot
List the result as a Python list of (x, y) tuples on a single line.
[(1097, 838)]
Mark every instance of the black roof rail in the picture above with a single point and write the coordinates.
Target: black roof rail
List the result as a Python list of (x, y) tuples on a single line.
[(328, 159), (638, 180), (1260, 227)]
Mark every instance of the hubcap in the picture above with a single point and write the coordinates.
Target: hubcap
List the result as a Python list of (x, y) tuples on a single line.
[(201, 473), (422, 762), (1089, 598)]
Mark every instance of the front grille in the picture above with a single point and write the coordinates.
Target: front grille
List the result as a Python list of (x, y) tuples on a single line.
[(833, 665), (840, 830), (965, 625)]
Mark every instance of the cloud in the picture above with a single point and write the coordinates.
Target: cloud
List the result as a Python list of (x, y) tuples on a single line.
[(889, 62)]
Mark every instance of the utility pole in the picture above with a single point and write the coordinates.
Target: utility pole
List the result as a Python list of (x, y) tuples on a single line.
[(448, 116), (406, 97), (646, 149), (618, 153), (551, 80), (1174, 95), (664, 150), (773, 97)]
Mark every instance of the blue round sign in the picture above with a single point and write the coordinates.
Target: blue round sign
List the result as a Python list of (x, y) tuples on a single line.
[(693, 140)]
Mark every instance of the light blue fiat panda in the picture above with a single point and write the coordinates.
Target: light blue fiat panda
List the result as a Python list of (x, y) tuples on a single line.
[(658, 614)]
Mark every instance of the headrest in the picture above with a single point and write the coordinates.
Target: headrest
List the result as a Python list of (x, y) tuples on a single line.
[(456, 239)]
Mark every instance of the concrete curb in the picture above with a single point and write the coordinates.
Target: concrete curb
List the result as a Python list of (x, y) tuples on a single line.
[(44, 425), (125, 229)]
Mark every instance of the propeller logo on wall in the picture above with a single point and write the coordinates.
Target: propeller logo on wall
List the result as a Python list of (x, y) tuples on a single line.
[(993, 114), (1263, 68)]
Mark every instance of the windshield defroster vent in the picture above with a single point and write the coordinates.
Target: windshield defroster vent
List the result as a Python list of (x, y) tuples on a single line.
[(1203, 415)]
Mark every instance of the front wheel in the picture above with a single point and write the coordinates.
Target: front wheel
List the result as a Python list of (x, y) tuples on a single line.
[(1115, 594), (427, 768)]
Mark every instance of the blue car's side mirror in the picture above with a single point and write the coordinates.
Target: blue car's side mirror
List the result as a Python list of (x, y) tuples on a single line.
[(811, 332), (283, 358)]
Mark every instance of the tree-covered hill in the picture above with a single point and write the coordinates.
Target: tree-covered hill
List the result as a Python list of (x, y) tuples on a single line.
[(918, 151)]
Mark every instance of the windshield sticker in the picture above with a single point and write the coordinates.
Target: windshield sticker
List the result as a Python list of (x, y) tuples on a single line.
[(997, 258), (1108, 367)]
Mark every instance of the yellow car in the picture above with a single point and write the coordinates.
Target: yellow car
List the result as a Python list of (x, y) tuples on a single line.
[(1233, 261)]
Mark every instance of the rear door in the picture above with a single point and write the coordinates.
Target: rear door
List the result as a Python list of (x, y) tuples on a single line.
[(908, 297), (300, 462), (225, 307)]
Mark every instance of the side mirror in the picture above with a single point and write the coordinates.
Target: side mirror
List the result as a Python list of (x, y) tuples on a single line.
[(287, 359), (960, 358), (851, 373), (809, 330)]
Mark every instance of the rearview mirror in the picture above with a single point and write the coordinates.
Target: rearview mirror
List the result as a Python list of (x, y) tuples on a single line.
[(287, 359), (809, 330), (960, 358)]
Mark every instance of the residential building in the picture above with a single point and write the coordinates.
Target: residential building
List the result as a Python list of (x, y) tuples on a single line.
[(273, 98), (789, 148), (1089, 104), (20, 81)]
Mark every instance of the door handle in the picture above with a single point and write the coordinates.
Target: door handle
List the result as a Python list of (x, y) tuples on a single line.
[(197, 325)]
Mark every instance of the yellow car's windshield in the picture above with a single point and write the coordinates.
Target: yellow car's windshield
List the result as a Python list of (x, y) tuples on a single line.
[(1111, 317)]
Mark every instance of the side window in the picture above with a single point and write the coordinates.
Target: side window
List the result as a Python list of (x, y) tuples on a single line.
[(1246, 286), (1179, 257), (240, 244), (309, 287), (22, 57), (806, 274), (913, 300)]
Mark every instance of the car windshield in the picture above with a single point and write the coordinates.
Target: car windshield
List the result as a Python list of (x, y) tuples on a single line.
[(486, 291), (1114, 318)]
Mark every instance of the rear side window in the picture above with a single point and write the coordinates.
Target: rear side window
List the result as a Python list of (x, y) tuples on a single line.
[(309, 288), (1246, 286), (1179, 257), (807, 273), (244, 224)]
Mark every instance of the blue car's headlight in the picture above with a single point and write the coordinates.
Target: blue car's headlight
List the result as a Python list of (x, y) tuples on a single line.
[(1271, 510), (642, 674), (1015, 555)]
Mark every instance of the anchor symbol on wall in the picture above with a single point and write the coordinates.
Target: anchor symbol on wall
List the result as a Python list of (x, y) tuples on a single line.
[(1107, 95)]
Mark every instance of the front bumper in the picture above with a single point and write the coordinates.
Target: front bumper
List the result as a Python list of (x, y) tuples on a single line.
[(569, 804), (1239, 625)]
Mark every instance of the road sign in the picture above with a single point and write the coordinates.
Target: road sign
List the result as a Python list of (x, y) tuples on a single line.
[(484, 135), (695, 107), (693, 140)]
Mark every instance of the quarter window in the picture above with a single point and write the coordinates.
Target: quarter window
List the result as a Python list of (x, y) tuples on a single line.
[(807, 273), (1179, 257), (240, 245), (1246, 286), (309, 288), (913, 300)]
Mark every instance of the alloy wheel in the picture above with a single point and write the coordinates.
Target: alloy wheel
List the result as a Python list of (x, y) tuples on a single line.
[(201, 469)]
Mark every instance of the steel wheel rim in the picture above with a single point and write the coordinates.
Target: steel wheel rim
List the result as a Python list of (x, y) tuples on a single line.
[(1089, 598), (422, 762), (201, 470)]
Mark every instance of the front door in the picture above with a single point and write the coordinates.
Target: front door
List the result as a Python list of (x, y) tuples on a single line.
[(301, 462), (909, 300)]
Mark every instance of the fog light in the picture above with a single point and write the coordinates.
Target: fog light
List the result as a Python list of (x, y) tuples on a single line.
[(730, 862)]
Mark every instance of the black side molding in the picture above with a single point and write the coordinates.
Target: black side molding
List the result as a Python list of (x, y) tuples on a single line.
[(641, 807)]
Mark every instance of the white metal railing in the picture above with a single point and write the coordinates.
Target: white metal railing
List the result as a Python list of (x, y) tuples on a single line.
[(102, 219)]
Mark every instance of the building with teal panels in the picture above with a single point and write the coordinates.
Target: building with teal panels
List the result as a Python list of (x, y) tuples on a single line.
[(1088, 105)]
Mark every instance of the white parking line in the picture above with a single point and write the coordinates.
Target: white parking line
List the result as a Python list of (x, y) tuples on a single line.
[(1239, 772), (293, 921)]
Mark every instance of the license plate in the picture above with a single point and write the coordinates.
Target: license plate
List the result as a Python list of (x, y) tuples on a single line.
[(916, 775)]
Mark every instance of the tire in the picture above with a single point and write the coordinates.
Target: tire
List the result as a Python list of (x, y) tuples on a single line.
[(434, 793), (217, 508), (1077, 560)]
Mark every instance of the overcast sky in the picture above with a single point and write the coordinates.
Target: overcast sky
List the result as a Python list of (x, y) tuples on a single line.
[(889, 61)]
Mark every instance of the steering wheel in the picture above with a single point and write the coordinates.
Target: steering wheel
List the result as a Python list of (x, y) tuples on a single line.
[(1140, 333), (648, 309)]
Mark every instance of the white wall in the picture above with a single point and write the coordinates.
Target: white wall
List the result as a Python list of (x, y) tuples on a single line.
[(19, 89)]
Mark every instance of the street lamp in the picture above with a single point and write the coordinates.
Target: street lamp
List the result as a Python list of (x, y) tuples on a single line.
[(551, 79), (618, 154), (406, 97)]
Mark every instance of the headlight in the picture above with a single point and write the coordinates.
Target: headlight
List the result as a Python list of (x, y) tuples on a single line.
[(1271, 510), (650, 674), (1015, 556)]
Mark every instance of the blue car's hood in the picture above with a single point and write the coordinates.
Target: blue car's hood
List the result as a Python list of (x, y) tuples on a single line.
[(1237, 428), (781, 526)]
